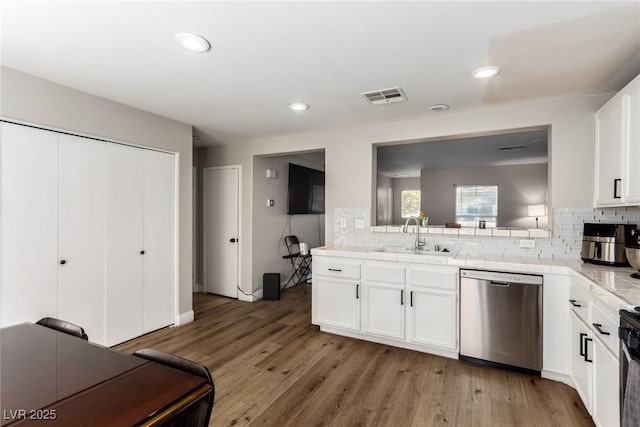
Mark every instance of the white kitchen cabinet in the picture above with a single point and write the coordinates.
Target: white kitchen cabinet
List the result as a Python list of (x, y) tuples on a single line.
[(432, 317), (124, 261), (81, 233), (606, 394), (617, 179), (383, 309), (29, 212), (336, 303), (581, 363)]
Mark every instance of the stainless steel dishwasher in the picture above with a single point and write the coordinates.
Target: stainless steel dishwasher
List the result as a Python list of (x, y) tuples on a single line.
[(501, 319)]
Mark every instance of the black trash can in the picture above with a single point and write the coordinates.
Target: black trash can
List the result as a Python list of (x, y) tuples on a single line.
[(271, 286)]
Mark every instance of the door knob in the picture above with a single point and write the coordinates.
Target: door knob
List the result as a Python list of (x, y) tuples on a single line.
[(63, 261), (232, 240)]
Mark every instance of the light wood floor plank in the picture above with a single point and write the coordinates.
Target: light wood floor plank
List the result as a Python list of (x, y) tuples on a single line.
[(272, 367)]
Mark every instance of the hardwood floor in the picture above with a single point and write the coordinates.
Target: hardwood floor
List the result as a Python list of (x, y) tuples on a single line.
[(272, 367)]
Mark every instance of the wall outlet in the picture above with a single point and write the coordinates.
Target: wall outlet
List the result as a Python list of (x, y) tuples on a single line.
[(272, 173), (359, 223), (270, 202), (343, 222), (527, 243)]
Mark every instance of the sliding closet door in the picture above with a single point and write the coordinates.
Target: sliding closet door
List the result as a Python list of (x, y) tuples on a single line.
[(125, 294), (81, 231), (28, 217), (159, 240)]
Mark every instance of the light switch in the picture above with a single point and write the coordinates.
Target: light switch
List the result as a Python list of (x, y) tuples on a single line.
[(272, 173), (359, 223), (343, 222)]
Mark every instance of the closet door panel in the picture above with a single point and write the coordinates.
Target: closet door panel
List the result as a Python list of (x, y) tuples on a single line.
[(82, 227), (28, 217), (159, 240), (124, 261)]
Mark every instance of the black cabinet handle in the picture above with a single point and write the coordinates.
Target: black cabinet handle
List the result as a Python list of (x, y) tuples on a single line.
[(232, 240), (616, 188), (582, 337), (141, 252), (63, 261), (598, 326), (411, 298), (574, 303), (335, 269), (401, 296), (586, 350), (357, 291)]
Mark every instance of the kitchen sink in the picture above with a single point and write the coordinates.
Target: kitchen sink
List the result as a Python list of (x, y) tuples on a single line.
[(412, 251)]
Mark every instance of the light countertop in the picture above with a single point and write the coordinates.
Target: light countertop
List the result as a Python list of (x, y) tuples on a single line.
[(615, 280)]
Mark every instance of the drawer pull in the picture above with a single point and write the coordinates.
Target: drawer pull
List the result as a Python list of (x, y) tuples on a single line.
[(598, 327), (574, 303), (335, 269)]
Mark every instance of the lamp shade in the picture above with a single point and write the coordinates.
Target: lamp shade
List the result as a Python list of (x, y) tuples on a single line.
[(537, 210)]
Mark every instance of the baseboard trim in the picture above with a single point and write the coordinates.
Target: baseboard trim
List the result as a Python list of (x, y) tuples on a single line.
[(550, 375), (256, 296), (184, 318)]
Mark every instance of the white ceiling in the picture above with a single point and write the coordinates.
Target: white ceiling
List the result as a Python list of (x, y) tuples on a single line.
[(267, 54)]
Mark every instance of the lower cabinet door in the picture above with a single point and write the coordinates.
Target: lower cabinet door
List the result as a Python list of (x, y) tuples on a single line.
[(336, 303), (432, 318), (606, 392), (383, 310), (581, 357)]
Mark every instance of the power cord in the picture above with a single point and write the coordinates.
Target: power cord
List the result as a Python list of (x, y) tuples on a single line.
[(251, 294)]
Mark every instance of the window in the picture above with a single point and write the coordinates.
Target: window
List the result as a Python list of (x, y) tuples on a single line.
[(476, 203), (410, 203)]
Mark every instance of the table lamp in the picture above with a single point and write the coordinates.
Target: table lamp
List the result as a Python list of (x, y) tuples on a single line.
[(537, 211)]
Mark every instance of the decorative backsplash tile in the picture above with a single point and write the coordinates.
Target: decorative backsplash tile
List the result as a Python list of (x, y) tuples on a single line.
[(565, 243)]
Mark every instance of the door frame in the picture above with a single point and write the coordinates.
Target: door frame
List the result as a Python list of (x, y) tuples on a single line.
[(204, 223)]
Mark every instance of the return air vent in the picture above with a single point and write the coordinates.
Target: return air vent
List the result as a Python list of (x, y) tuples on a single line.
[(385, 96), (513, 148)]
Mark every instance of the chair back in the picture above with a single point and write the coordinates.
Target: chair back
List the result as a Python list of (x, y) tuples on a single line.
[(63, 326), (199, 413), (293, 245)]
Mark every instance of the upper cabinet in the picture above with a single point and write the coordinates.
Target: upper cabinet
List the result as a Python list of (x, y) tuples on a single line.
[(617, 178)]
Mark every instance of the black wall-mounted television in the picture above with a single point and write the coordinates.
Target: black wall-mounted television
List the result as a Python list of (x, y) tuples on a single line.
[(306, 191)]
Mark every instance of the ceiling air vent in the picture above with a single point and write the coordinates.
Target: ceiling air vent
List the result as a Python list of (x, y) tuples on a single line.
[(385, 96)]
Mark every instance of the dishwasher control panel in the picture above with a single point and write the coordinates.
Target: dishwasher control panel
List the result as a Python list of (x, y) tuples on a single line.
[(498, 276)]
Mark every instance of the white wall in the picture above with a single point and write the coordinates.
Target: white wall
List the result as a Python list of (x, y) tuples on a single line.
[(518, 187), (27, 98), (400, 184), (348, 154), (271, 224)]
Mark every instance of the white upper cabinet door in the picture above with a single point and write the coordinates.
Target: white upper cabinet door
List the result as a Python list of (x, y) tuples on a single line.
[(125, 293), (632, 160), (609, 145), (159, 240), (29, 213), (81, 234)]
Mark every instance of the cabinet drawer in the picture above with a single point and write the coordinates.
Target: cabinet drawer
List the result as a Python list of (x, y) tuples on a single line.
[(579, 302), (336, 267), (434, 277), (385, 273), (605, 327)]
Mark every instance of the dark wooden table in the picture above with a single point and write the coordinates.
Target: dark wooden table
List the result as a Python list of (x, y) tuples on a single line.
[(50, 378)]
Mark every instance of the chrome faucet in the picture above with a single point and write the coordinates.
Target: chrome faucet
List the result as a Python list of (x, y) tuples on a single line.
[(419, 243)]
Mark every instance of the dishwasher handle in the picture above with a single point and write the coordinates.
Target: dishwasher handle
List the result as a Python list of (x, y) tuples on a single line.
[(498, 283)]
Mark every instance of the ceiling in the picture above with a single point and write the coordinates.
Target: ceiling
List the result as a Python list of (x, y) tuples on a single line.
[(516, 148), (266, 55)]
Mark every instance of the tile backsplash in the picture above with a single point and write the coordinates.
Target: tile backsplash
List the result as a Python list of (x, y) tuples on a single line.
[(565, 243)]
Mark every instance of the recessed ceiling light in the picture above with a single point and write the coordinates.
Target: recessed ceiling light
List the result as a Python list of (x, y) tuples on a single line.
[(192, 42), (298, 106), (438, 107), (485, 72)]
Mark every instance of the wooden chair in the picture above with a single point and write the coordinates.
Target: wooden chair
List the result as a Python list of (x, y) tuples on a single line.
[(198, 413), (63, 326)]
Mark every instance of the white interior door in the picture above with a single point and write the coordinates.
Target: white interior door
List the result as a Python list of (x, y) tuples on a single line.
[(221, 187), (29, 216), (125, 293), (159, 240), (81, 234)]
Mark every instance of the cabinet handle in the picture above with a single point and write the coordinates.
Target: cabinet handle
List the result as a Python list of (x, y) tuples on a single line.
[(598, 326), (582, 337), (335, 269), (574, 303), (401, 296), (63, 261), (141, 252), (586, 350), (357, 291), (411, 298), (616, 187)]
